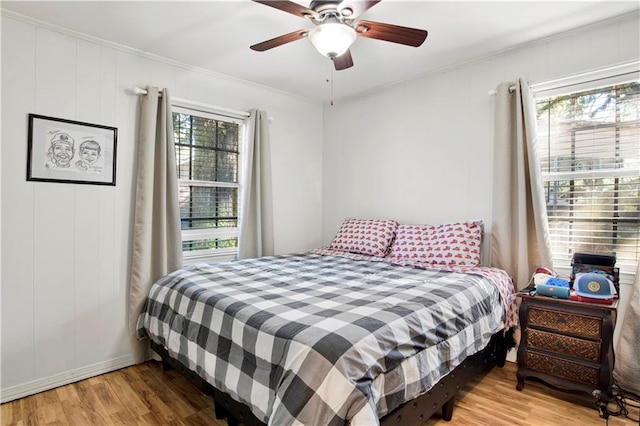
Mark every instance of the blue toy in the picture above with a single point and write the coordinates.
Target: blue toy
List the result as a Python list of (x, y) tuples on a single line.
[(558, 282)]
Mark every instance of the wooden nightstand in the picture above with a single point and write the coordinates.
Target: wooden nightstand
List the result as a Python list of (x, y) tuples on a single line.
[(568, 345)]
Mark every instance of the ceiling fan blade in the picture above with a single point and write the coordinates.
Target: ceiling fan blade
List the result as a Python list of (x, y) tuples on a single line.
[(343, 61), (290, 7), (280, 40), (357, 7), (393, 33)]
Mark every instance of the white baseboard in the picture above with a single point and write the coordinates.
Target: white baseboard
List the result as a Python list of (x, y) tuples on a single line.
[(30, 388)]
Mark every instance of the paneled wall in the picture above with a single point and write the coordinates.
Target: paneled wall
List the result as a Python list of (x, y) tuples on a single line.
[(421, 151), (66, 248)]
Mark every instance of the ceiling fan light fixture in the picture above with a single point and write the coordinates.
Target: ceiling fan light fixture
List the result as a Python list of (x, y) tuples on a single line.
[(332, 39)]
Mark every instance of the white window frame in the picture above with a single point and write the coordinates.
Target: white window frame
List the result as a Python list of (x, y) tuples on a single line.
[(602, 77), (222, 114)]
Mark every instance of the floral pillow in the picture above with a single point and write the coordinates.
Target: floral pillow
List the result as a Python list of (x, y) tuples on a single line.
[(365, 236), (447, 244)]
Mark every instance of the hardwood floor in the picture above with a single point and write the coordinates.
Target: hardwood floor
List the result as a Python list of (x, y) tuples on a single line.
[(146, 395), (493, 400)]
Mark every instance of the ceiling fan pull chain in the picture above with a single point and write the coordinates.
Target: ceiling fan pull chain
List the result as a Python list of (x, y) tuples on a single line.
[(331, 84)]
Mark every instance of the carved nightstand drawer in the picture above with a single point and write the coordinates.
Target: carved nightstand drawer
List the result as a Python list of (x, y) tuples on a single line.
[(564, 369), (564, 322), (564, 345)]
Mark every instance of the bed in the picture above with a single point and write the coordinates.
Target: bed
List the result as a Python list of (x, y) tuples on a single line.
[(354, 333)]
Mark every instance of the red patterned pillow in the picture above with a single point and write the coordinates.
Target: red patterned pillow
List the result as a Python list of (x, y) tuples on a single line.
[(365, 236), (448, 244), (412, 242)]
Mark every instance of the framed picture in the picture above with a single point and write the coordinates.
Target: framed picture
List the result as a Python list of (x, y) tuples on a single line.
[(71, 151)]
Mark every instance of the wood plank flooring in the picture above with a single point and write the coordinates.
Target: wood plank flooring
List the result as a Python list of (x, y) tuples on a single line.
[(146, 395)]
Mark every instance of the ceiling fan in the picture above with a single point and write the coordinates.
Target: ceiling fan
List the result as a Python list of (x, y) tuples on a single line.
[(336, 28)]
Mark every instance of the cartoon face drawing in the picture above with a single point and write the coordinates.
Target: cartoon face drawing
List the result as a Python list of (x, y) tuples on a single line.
[(61, 150), (89, 156), (90, 151)]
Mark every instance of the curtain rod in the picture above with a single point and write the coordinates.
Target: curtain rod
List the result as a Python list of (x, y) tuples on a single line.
[(493, 92), (186, 102)]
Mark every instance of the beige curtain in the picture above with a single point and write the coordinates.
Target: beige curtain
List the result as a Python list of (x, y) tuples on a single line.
[(520, 233), (255, 237), (157, 244), (627, 367)]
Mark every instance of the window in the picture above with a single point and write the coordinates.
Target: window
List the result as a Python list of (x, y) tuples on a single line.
[(207, 157), (589, 144)]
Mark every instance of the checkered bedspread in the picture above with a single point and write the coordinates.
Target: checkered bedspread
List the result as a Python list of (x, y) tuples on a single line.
[(320, 340)]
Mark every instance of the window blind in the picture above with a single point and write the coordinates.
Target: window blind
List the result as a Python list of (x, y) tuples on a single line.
[(589, 146)]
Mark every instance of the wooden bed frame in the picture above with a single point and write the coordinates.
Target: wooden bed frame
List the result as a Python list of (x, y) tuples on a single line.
[(414, 412)]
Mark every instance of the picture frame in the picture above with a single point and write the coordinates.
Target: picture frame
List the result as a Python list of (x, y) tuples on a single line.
[(68, 151)]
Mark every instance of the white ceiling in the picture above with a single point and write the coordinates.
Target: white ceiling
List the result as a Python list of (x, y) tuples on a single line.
[(216, 35)]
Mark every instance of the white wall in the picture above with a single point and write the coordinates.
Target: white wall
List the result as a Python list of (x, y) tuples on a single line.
[(421, 151), (66, 248)]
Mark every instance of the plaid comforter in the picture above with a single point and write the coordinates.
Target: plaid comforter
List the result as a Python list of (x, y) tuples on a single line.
[(320, 340)]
